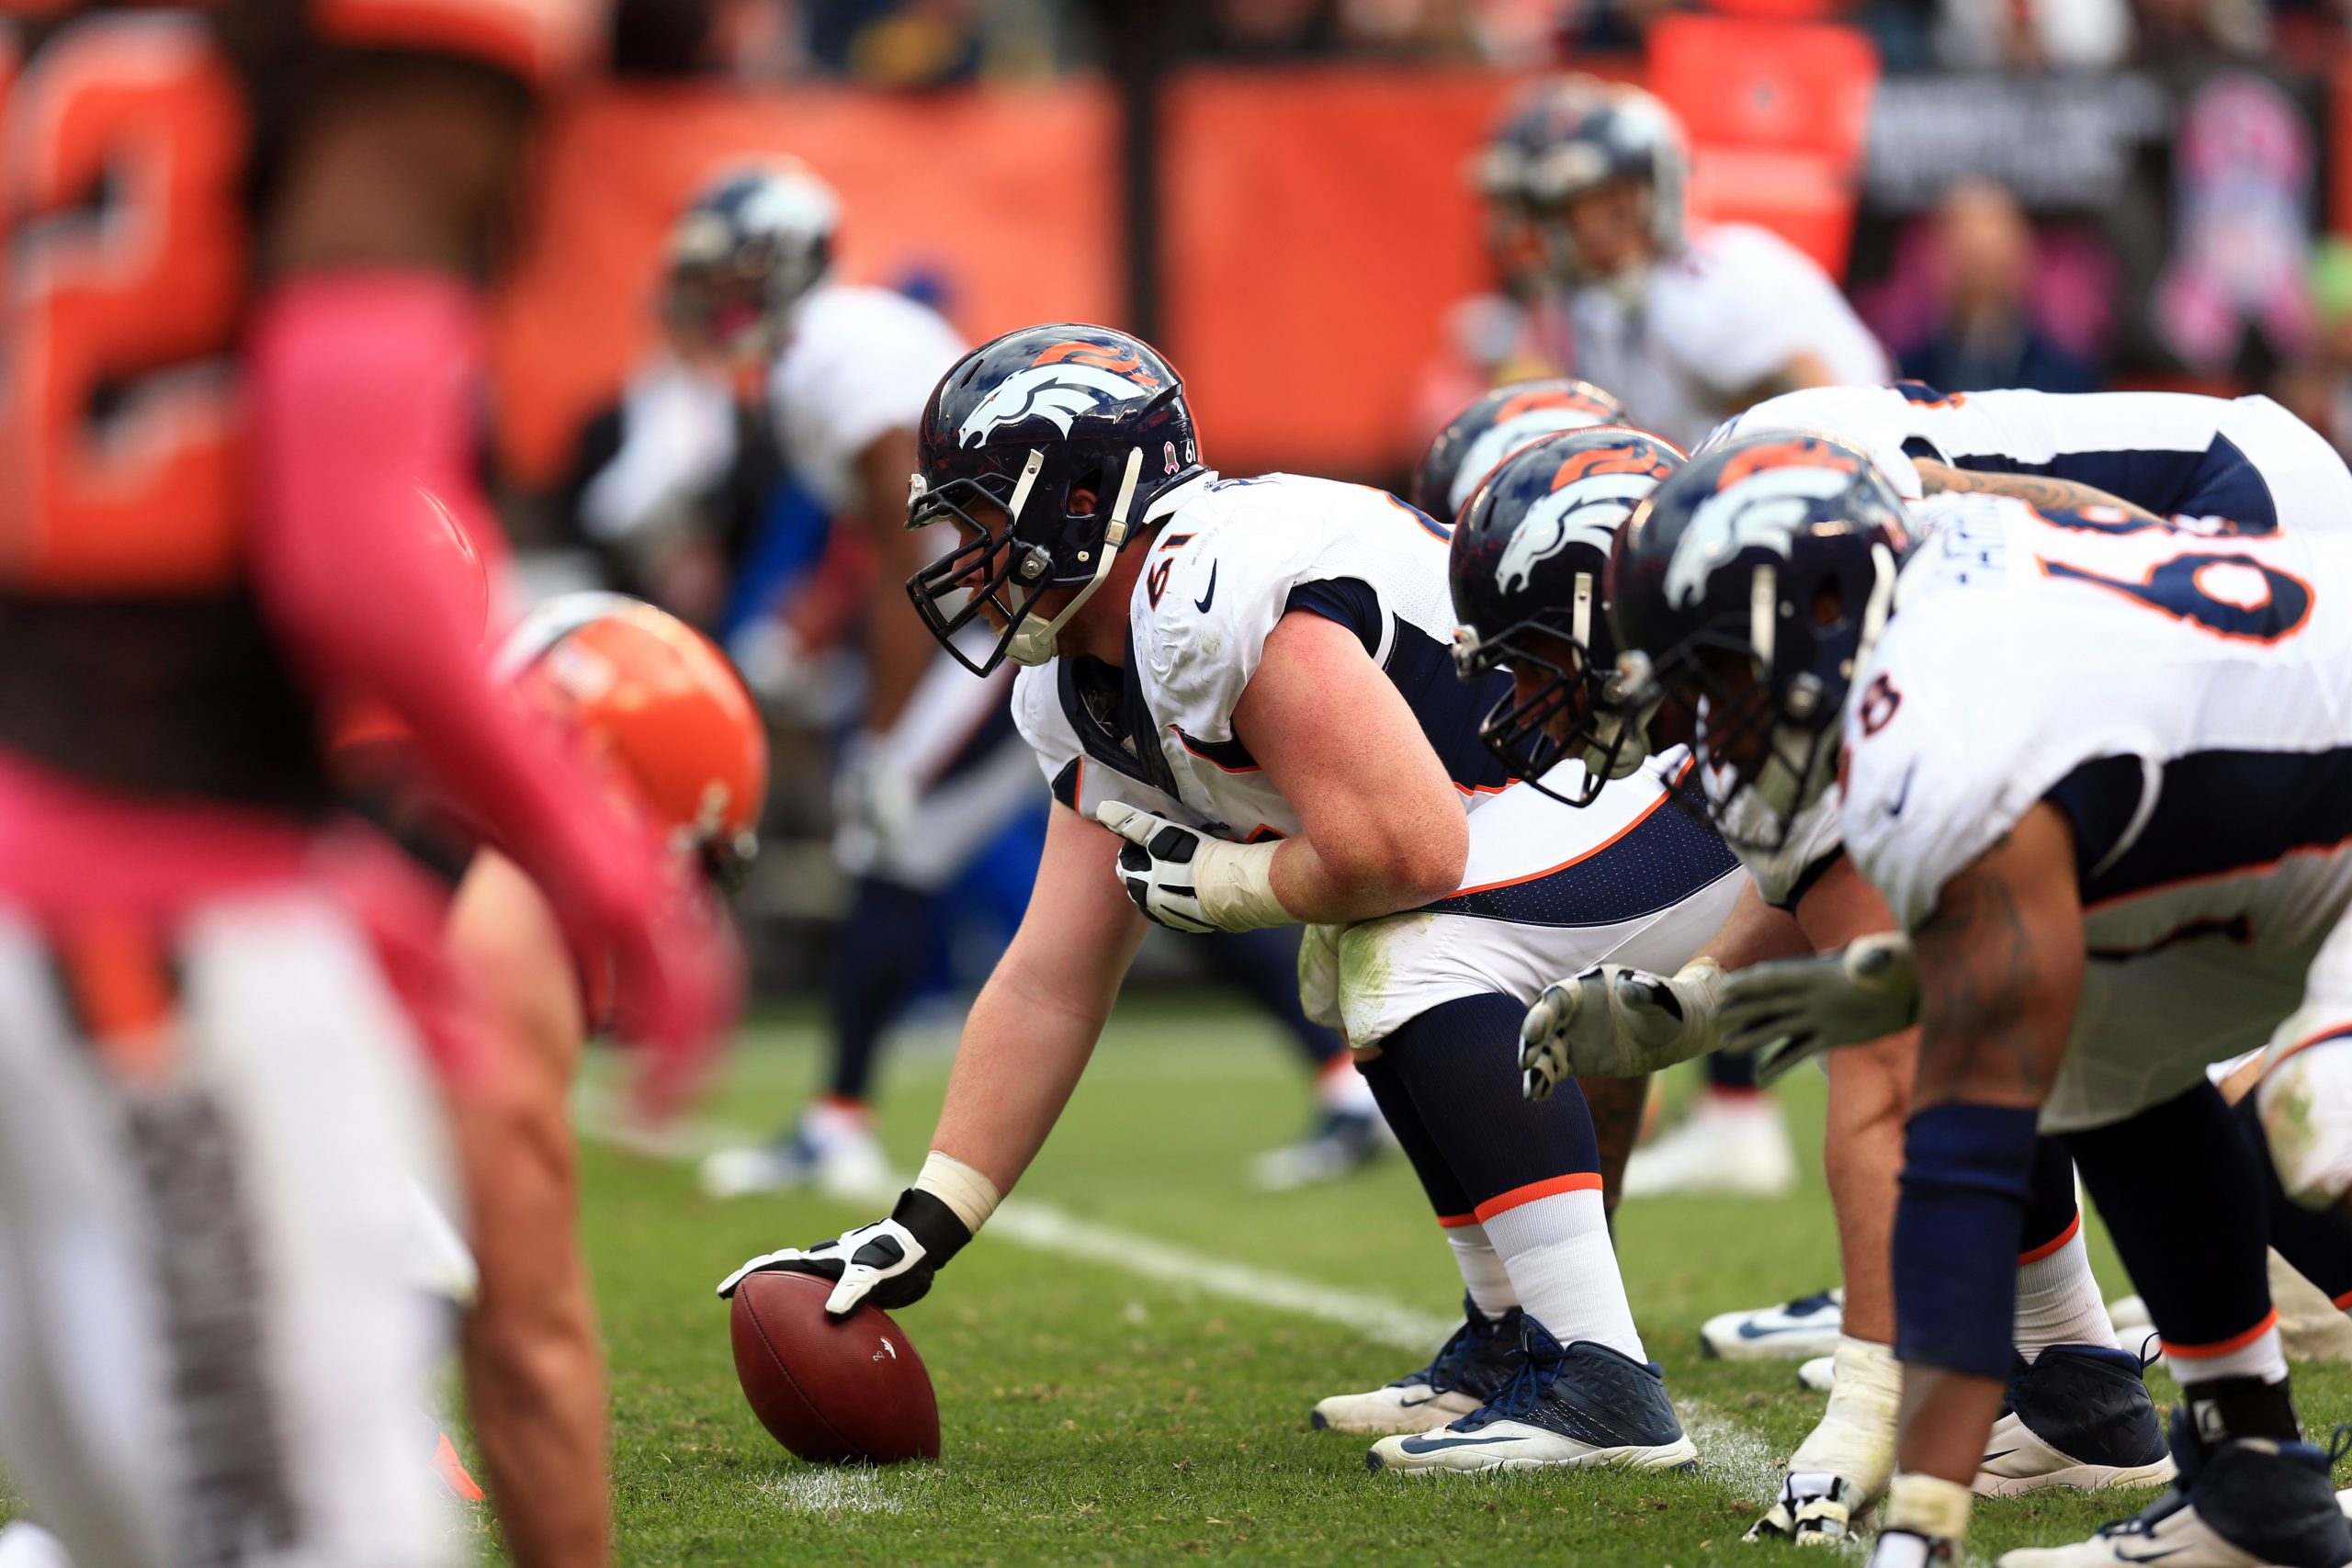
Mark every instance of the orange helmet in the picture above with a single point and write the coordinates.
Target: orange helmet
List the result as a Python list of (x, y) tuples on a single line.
[(660, 704)]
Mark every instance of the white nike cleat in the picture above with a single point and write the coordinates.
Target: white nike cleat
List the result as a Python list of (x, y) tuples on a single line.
[(1797, 1330), (831, 1150), (1729, 1144), (1476, 1361), (1819, 1375), (1581, 1407)]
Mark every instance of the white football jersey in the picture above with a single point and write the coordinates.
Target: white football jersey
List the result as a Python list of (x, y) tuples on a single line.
[(2184, 699), (1217, 576), (1727, 310), (2246, 460), (860, 362)]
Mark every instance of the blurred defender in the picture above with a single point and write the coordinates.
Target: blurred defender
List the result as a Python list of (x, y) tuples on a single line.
[(242, 329), (1243, 695)]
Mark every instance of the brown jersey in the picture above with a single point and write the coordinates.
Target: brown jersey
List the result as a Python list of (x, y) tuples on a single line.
[(138, 146)]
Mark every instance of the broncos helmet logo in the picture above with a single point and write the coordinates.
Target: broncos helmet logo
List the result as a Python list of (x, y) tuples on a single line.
[(1766, 505), (1058, 392), (1585, 508)]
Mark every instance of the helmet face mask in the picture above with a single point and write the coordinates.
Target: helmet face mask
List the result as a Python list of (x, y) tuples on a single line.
[(1550, 674), (1046, 449), (743, 257)]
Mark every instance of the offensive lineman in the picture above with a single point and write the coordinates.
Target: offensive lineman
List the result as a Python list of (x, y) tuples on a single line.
[(2089, 761), (1247, 680), (210, 1095)]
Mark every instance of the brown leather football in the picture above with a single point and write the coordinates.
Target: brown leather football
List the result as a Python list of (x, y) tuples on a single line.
[(834, 1391)]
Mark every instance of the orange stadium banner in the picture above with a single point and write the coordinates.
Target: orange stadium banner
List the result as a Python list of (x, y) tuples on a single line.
[(1006, 196)]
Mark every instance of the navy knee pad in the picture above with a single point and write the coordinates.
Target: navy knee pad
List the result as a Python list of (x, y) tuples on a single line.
[(2182, 1194), (1459, 1064), (1967, 1174)]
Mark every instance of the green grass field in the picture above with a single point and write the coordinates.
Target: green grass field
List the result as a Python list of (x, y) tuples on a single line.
[(1156, 1412), (1093, 1414)]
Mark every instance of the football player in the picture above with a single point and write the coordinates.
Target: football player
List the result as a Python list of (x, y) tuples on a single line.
[(1530, 552), (936, 774), (1242, 694), (2035, 745), (210, 1085), (1687, 322)]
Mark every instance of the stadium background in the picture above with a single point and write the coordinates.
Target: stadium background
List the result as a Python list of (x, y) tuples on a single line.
[(2127, 192)]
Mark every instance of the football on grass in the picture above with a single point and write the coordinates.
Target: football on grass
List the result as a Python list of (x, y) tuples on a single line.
[(834, 1391)]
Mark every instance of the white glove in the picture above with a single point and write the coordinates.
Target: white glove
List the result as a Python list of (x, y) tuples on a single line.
[(1615, 1022), (890, 1263), (875, 804), (1795, 1007), (1188, 881)]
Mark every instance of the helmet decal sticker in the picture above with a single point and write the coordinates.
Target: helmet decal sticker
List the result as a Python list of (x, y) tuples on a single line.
[(1058, 392), (1762, 507), (1586, 511)]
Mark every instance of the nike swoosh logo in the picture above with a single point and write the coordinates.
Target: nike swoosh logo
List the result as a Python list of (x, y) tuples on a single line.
[(2149, 1556), (1752, 1330), (1438, 1445), (1414, 1404), (1988, 1459), (1902, 795), (1202, 604)]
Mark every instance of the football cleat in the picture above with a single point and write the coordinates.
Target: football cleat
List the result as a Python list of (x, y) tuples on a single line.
[(2241, 1503), (831, 1150), (1577, 1407), (1474, 1363), (1732, 1144), (1797, 1330), (2079, 1416), (1812, 1510), (1818, 1375), (1340, 1143)]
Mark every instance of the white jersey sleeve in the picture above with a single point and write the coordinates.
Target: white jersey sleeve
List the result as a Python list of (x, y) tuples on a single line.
[(861, 362), (1737, 303)]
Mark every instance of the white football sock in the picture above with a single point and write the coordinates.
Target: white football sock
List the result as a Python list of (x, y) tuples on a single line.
[(1855, 1439), (1558, 1252), (2058, 1300), (1483, 1274), (2264, 1357)]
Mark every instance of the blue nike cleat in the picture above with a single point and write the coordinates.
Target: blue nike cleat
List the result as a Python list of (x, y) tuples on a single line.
[(1474, 1363), (1796, 1331), (1581, 1407), (2079, 1416), (1340, 1143), (2241, 1502)]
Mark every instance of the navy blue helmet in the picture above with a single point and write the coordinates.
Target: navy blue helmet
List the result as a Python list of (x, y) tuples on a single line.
[(1529, 550), (744, 255), (1046, 449), (1498, 424), (1748, 589), (1574, 134)]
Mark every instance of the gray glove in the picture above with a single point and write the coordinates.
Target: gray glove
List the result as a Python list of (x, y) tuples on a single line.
[(1615, 1022), (1791, 1009)]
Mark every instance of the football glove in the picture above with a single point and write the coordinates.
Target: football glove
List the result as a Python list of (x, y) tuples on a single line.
[(1791, 1009), (1612, 1022), (890, 1263), (1188, 881)]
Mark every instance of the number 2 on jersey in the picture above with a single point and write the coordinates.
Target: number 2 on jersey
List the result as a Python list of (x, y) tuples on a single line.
[(124, 159)]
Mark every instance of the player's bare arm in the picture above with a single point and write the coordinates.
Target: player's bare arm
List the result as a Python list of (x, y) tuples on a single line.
[(897, 648), (1384, 828), (2001, 968), (2040, 490)]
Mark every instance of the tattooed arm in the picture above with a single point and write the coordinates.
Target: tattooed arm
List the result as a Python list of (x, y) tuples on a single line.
[(2044, 493), (2000, 971)]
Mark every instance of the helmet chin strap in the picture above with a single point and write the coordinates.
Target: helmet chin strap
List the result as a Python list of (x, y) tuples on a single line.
[(1033, 641)]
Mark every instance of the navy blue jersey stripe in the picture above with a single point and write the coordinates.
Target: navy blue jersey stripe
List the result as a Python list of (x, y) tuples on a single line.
[(1347, 600), (1449, 708), (1066, 782), (2217, 481), (1663, 859), (2216, 813)]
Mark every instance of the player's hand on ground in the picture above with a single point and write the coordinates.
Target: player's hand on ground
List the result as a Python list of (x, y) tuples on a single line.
[(1612, 1022), (890, 1262), (1791, 1009), (1161, 865)]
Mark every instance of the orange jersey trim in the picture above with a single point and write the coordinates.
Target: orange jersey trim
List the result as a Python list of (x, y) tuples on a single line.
[(1456, 1222), (1551, 1187), (123, 992), (2224, 1347), (541, 41)]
